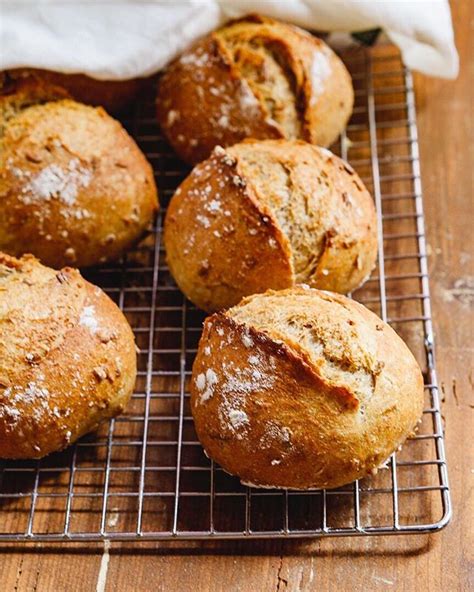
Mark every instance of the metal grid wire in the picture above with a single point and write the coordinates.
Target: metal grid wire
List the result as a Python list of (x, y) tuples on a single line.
[(144, 475)]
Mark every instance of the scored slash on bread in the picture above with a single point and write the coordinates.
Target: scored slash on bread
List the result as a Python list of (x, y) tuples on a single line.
[(302, 388), (254, 77)]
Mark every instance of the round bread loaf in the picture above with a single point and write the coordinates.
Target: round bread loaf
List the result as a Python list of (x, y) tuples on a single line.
[(67, 358), (303, 389), (74, 186), (269, 214), (258, 78), (113, 95)]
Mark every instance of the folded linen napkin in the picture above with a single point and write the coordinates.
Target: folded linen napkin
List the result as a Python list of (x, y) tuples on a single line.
[(128, 39)]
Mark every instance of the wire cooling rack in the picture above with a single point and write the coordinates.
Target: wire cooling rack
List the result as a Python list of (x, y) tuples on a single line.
[(144, 475)]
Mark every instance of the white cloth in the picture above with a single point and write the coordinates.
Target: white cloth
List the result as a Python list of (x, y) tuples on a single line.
[(120, 40)]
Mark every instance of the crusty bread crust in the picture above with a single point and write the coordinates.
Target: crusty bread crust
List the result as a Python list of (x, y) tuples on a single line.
[(269, 214), (74, 186), (67, 358), (17, 95), (303, 389), (113, 95), (255, 77)]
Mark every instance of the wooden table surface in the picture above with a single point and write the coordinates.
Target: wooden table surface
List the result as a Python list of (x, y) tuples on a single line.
[(442, 561)]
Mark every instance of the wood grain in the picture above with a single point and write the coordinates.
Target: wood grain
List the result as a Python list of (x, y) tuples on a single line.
[(443, 561)]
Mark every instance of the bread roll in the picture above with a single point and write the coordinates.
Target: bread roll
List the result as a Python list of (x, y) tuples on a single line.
[(113, 95), (269, 214), (67, 358), (74, 186), (255, 77), (303, 389)]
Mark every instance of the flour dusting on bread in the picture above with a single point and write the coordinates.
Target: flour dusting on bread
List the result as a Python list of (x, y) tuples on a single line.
[(18, 400), (88, 319), (54, 181), (205, 383), (320, 72)]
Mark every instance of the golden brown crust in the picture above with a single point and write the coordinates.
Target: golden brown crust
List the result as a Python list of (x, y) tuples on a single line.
[(113, 95), (303, 389), (255, 77), (17, 95), (74, 186), (269, 214), (217, 234), (67, 358)]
